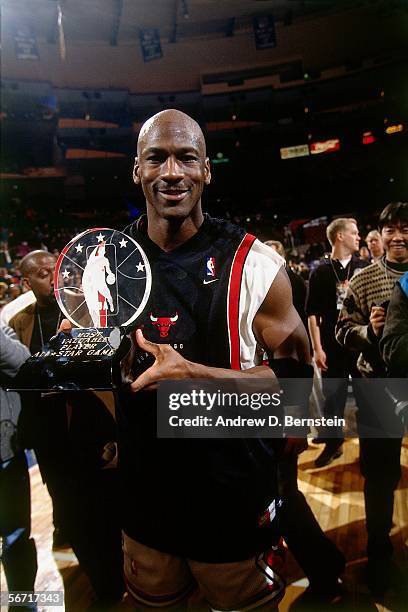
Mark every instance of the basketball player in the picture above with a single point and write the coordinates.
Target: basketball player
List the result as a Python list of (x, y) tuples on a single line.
[(201, 512)]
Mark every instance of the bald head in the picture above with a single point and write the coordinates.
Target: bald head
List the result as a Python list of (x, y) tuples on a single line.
[(32, 260), (172, 169), (175, 120), (37, 269)]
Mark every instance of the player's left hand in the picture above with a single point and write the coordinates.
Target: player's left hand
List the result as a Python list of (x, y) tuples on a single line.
[(169, 364), (295, 446)]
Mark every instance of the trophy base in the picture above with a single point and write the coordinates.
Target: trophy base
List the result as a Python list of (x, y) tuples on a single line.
[(75, 361)]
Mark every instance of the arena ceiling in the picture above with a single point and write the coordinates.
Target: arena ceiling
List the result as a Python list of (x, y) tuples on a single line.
[(119, 21)]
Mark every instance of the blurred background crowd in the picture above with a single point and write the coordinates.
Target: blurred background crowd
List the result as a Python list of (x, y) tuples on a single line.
[(304, 244)]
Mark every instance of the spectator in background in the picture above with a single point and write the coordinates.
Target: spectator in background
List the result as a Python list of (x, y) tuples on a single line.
[(14, 291), (22, 249), (375, 244), (394, 341), (5, 259), (365, 253), (303, 271), (327, 288), (359, 329), (34, 326), (3, 293), (5, 275), (71, 436), (394, 347), (18, 555)]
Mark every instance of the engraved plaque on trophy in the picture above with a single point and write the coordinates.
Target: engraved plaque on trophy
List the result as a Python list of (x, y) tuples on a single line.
[(102, 283)]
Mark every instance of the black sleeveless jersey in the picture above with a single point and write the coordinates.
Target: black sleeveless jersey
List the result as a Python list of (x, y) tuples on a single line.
[(202, 499)]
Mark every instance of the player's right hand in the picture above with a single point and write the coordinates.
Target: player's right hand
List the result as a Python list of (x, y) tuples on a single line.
[(168, 364)]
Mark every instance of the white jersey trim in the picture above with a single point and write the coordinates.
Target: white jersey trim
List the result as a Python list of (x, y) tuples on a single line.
[(260, 269)]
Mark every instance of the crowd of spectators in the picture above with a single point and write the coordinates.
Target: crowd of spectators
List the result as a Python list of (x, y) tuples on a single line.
[(302, 257)]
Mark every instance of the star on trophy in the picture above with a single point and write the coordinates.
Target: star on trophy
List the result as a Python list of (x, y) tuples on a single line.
[(102, 283)]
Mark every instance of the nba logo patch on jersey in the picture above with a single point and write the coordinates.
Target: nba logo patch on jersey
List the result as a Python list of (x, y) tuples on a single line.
[(210, 267)]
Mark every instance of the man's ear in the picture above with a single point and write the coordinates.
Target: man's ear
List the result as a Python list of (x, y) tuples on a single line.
[(136, 178), (26, 284), (207, 171)]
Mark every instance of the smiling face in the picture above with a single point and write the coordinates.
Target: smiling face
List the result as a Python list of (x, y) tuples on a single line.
[(172, 166), (395, 239)]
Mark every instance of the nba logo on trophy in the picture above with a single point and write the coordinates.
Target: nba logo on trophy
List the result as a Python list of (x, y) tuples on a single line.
[(95, 280)]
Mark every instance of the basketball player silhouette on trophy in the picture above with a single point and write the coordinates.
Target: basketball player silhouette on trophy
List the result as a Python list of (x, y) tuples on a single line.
[(95, 280)]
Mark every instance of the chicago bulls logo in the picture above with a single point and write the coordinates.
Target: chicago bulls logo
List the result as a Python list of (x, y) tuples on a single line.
[(163, 324)]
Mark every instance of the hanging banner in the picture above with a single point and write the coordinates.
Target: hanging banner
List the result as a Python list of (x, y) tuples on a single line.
[(61, 34), (150, 43), (264, 30), (25, 42)]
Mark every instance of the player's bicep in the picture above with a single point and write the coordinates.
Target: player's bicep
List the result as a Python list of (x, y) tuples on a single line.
[(276, 320)]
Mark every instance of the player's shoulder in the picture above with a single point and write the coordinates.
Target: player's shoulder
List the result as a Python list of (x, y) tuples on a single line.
[(223, 229), (265, 254)]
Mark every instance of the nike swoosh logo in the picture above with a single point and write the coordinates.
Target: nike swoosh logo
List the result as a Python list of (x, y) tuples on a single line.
[(207, 282)]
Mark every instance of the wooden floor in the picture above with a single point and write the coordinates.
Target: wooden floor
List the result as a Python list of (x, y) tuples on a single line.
[(333, 492)]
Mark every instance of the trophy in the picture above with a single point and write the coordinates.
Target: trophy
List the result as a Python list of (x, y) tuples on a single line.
[(102, 283)]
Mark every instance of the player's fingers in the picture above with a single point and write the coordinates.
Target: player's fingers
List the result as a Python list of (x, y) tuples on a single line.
[(151, 387), (143, 381), (146, 345)]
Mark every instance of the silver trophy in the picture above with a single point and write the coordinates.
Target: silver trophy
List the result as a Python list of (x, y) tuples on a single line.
[(102, 284)]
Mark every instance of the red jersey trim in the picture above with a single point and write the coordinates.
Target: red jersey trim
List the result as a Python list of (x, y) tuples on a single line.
[(234, 290)]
